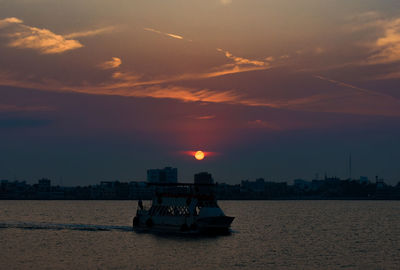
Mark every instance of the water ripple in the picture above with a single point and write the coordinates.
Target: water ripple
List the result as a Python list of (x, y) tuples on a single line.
[(55, 226)]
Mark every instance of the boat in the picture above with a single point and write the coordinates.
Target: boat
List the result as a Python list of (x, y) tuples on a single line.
[(183, 208)]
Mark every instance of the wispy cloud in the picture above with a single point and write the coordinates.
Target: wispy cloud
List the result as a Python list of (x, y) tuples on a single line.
[(90, 33), (29, 37), (224, 70), (115, 62), (243, 61), (140, 90), (205, 117), (365, 20), (43, 40), (163, 33), (387, 47), (134, 85), (347, 85), (7, 21), (188, 95), (359, 101), (174, 36), (238, 66), (177, 93), (355, 101), (152, 30)]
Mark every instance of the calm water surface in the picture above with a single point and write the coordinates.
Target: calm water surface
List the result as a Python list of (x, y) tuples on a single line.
[(266, 235)]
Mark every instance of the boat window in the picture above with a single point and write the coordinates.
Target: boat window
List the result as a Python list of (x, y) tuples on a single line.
[(163, 211), (182, 210), (158, 210), (170, 211)]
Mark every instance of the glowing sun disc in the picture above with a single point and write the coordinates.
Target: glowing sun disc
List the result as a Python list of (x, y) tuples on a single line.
[(199, 155)]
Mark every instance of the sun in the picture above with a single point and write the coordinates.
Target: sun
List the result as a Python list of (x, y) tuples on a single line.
[(199, 155)]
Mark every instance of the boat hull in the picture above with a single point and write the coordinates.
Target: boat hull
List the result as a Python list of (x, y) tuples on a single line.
[(208, 225), (220, 222)]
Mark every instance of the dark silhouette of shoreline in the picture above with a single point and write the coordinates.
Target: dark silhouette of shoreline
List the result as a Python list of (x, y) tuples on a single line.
[(326, 189)]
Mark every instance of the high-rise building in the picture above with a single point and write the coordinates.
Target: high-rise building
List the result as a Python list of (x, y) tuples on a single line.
[(166, 175), (203, 178)]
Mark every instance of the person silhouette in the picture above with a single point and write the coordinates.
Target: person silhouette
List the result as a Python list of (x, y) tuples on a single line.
[(140, 203)]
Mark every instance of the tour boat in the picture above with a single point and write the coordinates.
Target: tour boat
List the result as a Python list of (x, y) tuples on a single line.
[(183, 208)]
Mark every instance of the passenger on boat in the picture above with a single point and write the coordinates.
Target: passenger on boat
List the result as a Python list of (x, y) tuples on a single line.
[(140, 204)]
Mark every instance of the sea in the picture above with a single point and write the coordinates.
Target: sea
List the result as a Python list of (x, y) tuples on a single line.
[(265, 235)]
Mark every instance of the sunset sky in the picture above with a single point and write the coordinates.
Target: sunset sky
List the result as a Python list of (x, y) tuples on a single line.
[(103, 90)]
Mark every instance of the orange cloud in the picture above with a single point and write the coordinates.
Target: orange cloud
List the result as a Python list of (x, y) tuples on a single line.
[(43, 40), (111, 64), (226, 70), (28, 37), (386, 48), (187, 95), (239, 65), (359, 101), (390, 43), (205, 117), (174, 36), (243, 61), (90, 32), (162, 33), (7, 21), (133, 80), (152, 30), (140, 90)]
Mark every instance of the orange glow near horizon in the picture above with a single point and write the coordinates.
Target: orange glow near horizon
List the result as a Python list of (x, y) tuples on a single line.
[(199, 155)]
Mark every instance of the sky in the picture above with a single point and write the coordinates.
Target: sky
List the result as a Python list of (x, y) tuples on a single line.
[(104, 90)]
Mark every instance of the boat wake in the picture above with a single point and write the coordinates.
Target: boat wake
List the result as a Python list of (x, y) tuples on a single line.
[(56, 226)]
